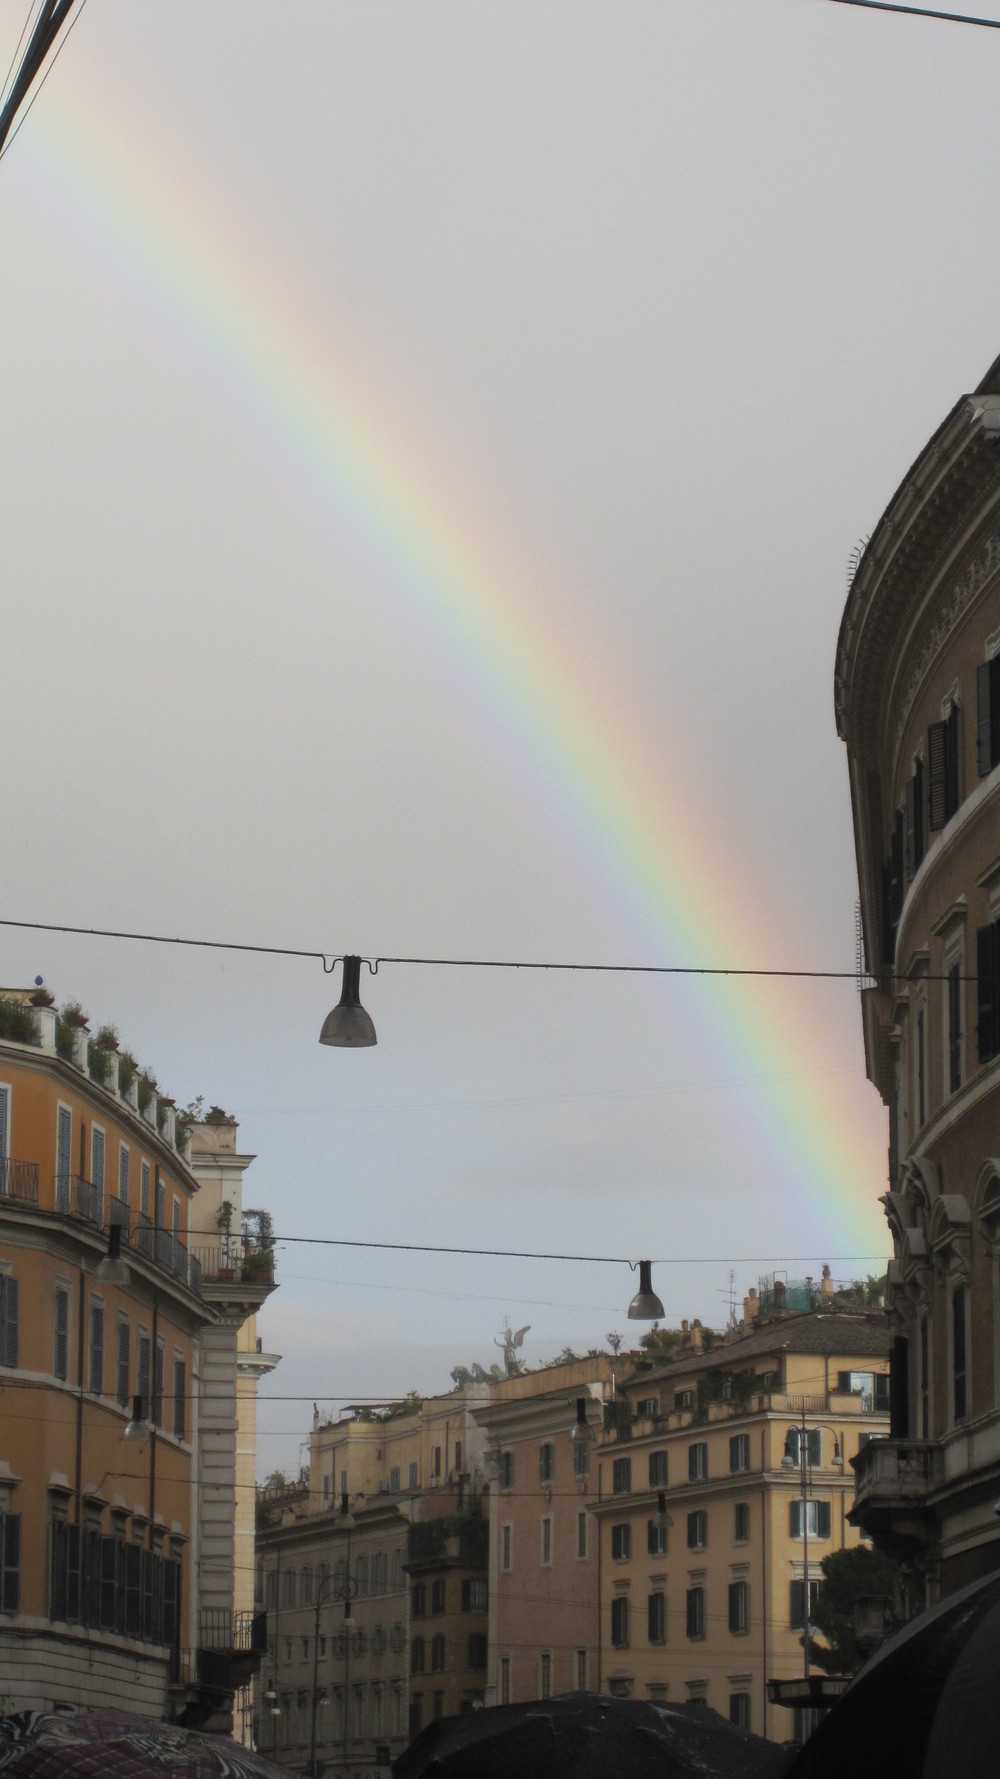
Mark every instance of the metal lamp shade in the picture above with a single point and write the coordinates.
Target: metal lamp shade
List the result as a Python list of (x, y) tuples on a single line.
[(348, 1026), (645, 1305)]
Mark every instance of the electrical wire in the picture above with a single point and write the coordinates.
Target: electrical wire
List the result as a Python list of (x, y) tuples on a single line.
[(341, 1241), (24, 115), (922, 12), (329, 960)]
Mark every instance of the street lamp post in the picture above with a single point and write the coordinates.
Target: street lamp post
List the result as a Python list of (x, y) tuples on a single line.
[(788, 1462), (327, 1592)]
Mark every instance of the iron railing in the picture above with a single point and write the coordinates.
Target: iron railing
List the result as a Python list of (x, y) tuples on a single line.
[(19, 1180), (233, 1259)]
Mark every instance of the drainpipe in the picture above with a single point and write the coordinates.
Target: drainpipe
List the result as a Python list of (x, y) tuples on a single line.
[(80, 1330)]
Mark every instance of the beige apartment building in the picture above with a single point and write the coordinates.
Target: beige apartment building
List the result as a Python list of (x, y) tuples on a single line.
[(544, 1597), (918, 707), (706, 1602), (373, 1575)]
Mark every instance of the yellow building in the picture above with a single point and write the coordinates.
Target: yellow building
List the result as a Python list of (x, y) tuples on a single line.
[(117, 1575), (377, 1617), (708, 1608)]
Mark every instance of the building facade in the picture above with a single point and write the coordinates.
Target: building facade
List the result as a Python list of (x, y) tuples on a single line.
[(544, 1592), (373, 1574), (117, 1574), (918, 706), (704, 1602)]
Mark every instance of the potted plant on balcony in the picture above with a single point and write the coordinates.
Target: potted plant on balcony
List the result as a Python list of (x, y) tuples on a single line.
[(224, 1224)]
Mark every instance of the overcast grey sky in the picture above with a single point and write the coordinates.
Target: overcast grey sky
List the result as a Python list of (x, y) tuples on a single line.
[(435, 439)]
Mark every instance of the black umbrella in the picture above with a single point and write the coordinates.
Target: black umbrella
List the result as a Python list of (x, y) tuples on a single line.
[(589, 1736), (926, 1703), (112, 1744)]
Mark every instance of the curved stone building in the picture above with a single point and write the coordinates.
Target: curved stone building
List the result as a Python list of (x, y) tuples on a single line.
[(918, 706)]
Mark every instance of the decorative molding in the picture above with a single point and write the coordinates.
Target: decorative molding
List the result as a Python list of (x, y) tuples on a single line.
[(965, 590)]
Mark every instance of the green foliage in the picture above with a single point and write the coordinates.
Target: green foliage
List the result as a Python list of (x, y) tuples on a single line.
[(64, 1039), (147, 1088), (128, 1069), (99, 1063), (107, 1037), (17, 1022), (661, 1344), (73, 1013), (847, 1575)]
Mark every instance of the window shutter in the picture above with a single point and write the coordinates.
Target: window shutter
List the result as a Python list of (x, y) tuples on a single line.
[(909, 842), (795, 1519), (9, 1354), (951, 763), (936, 755), (796, 1604), (986, 969), (918, 813), (822, 1519), (984, 717), (10, 1578)]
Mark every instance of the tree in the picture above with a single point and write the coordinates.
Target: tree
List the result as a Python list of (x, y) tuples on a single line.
[(848, 1575)]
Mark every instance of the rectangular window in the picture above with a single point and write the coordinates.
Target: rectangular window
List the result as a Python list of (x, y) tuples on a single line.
[(739, 1453), (180, 1397), (942, 764), (506, 1547), (122, 1357), (60, 1345), (437, 1598), (988, 715), (657, 1470), (474, 1594), (739, 1608), (505, 1680), (142, 1379), (739, 1710), (10, 1561), (619, 1622), (505, 1470), (144, 1188), (656, 1539), (64, 1162), (437, 1653), (657, 1617), (796, 1602), (697, 1461), (394, 1479), (580, 1669), (621, 1476), (546, 1462), (95, 1368), (416, 1655), (988, 990), (8, 1320), (818, 1519), (954, 992), (697, 1530), (741, 1522), (414, 1472), (914, 838), (695, 1612), (97, 1157), (582, 1549), (123, 1174), (546, 1540), (958, 1371), (478, 1651), (436, 1471), (581, 1459), (621, 1542), (157, 1404), (850, 1383), (545, 1675)]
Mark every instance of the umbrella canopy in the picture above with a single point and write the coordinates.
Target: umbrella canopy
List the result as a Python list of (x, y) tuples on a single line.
[(119, 1745), (589, 1736), (926, 1703)]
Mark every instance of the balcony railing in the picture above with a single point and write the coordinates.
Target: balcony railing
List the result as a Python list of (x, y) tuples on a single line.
[(19, 1180), (219, 1628), (889, 1471), (232, 1259), (76, 1197)]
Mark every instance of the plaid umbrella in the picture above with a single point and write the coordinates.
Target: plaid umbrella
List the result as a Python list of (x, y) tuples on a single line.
[(119, 1745)]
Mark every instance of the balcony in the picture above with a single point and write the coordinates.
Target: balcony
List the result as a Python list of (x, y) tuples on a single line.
[(76, 1197), (19, 1180), (893, 1479), (234, 1260)]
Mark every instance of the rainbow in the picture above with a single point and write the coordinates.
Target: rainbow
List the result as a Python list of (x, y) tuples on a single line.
[(142, 218)]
